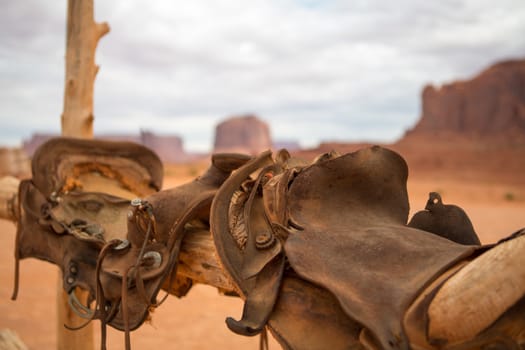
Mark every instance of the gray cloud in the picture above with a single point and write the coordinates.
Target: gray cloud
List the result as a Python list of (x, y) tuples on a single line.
[(315, 69)]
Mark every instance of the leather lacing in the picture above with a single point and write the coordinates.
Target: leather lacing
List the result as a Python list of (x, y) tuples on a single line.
[(16, 281), (44, 214), (101, 311), (133, 272)]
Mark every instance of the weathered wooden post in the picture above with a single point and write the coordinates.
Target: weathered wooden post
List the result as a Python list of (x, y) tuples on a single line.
[(82, 38), (77, 118)]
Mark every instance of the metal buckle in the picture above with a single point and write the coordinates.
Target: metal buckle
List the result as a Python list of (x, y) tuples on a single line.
[(136, 202), (155, 257), (78, 308), (122, 245)]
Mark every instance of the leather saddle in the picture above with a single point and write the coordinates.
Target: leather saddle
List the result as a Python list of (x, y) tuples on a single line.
[(94, 209), (75, 204), (72, 205), (339, 223)]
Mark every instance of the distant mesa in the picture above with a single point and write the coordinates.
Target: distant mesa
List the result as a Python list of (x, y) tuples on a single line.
[(243, 134), (490, 104)]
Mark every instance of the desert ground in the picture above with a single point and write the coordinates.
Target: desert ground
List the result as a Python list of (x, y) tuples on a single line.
[(496, 208)]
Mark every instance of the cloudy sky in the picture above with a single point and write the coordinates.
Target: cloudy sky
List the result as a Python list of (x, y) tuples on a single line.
[(316, 70)]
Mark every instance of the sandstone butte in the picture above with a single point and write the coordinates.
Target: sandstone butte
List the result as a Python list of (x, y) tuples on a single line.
[(469, 130), (246, 134), (492, 104)]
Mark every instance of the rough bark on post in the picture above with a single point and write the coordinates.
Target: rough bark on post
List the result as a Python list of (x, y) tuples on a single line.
[(82, 38)]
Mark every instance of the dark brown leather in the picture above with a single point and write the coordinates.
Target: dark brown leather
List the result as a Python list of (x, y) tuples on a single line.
[(308, 317), (445, 220), (246, 243), (342, 222), (36, 238)]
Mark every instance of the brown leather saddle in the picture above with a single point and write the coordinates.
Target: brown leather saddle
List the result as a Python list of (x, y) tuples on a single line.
[(81, 211), (72, 205), (76, 204), (339, 223)]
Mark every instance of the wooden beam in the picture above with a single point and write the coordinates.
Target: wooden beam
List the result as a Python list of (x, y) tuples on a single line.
[(198, 261)]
